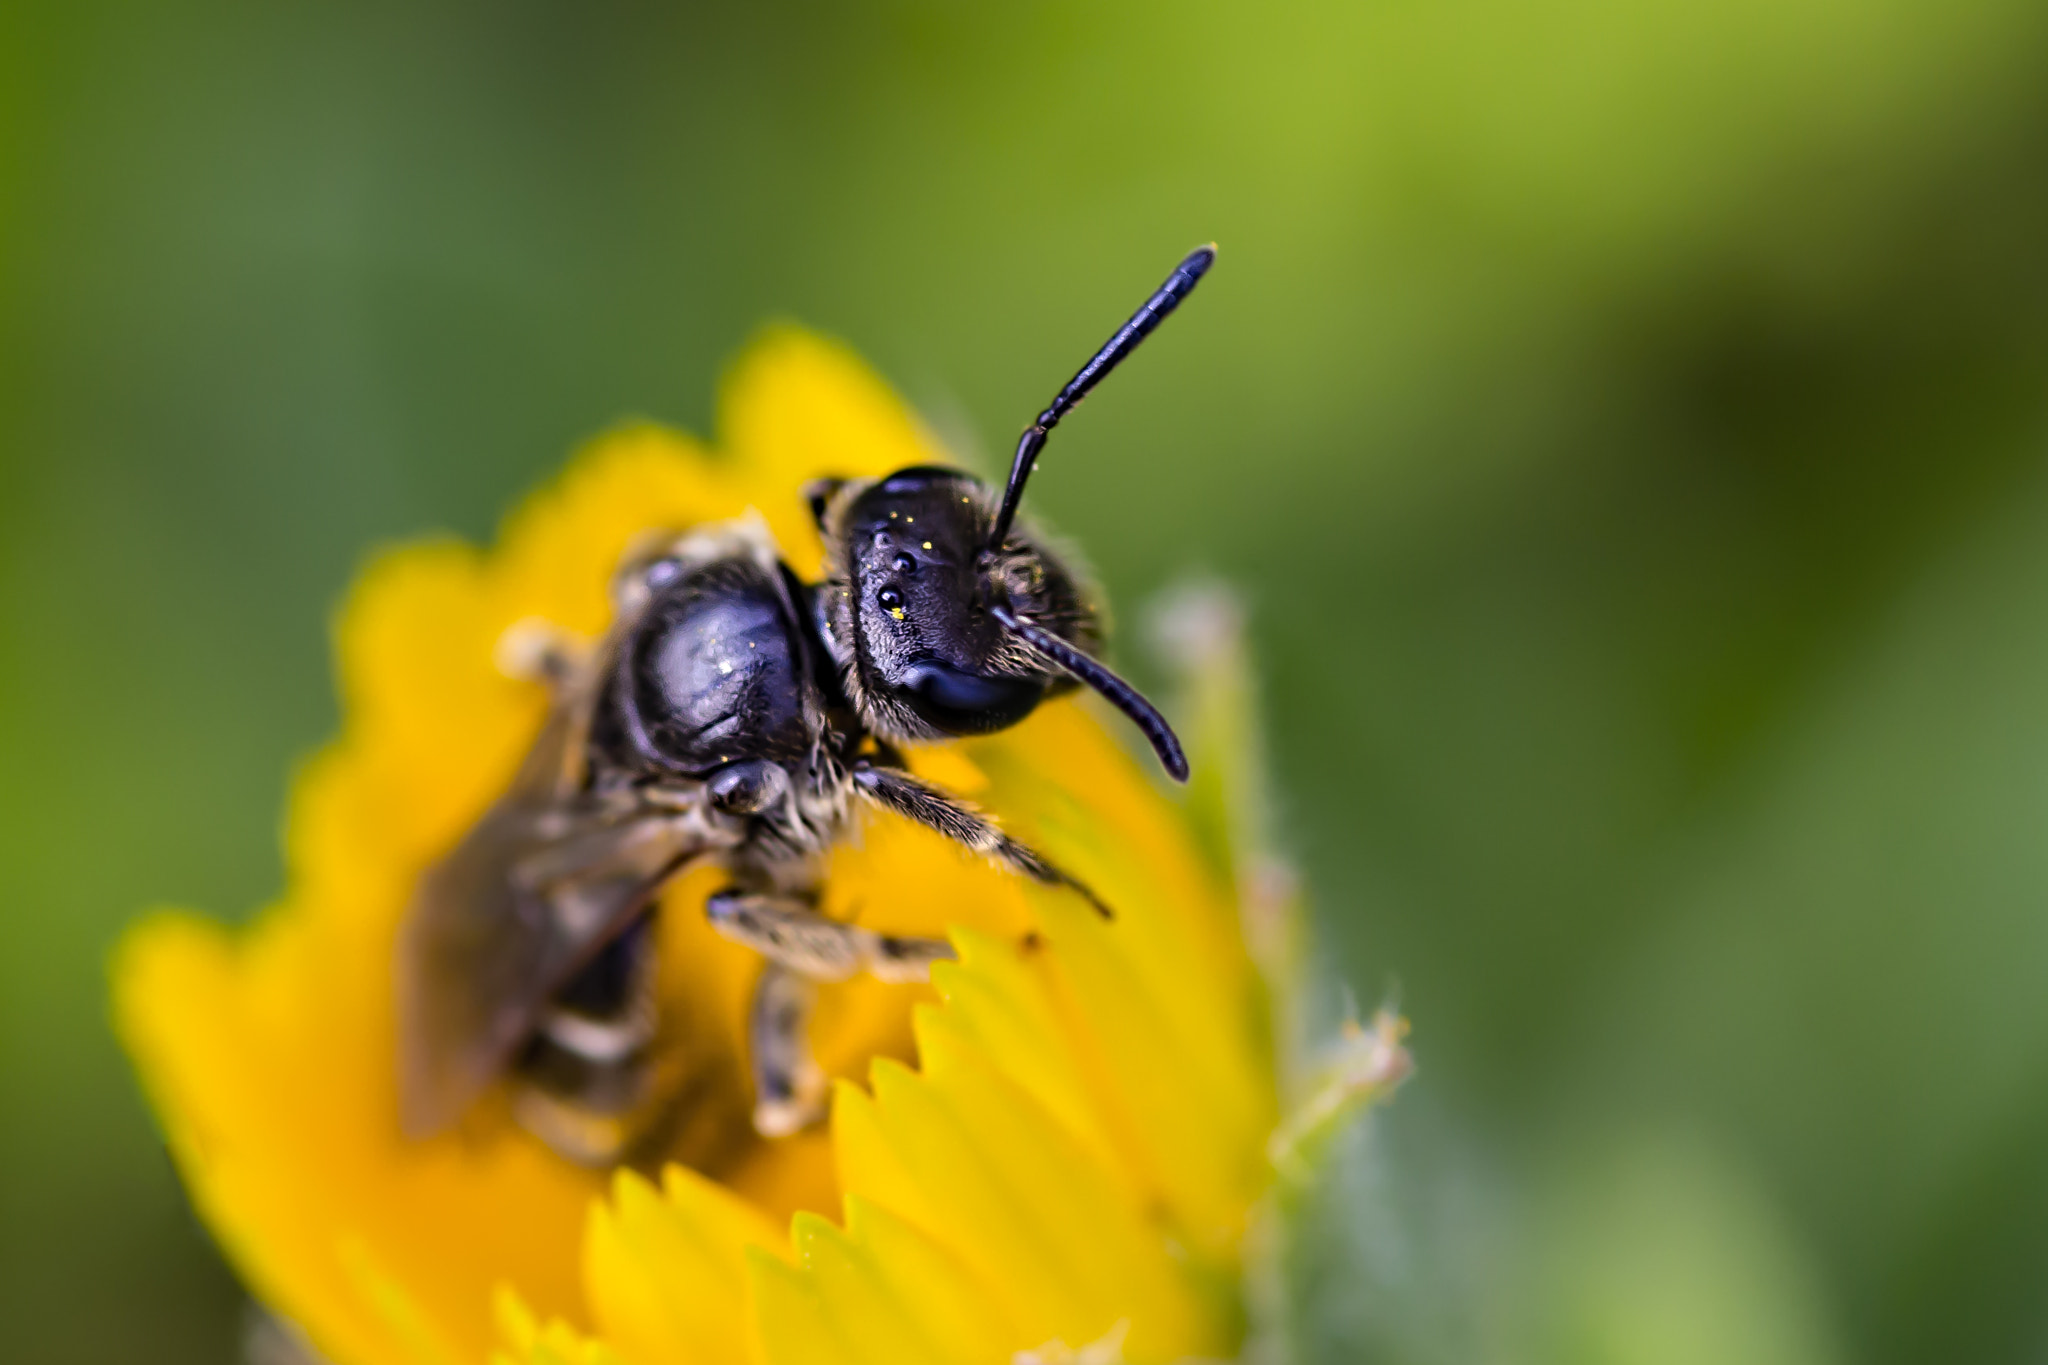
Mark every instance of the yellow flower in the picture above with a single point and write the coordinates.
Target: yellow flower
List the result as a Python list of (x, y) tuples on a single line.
[(1061, 1139)]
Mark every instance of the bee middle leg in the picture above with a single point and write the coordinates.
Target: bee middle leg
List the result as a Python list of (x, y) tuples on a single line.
[(787, 931), (803, 948)]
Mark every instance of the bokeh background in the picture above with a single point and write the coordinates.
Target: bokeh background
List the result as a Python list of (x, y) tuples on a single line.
[(1626, 417)]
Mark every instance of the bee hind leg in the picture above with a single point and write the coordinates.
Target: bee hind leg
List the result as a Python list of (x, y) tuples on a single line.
[(789, 1088)]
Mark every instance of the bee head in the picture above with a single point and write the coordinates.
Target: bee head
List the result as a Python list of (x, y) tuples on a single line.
[(944, 616), (940, 626), (907, 604)]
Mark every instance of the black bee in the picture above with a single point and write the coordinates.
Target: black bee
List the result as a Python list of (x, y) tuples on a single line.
[(736, 713)]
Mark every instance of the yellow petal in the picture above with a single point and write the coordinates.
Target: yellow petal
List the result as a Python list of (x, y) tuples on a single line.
[(1190, 1105), (533, 1342), (879, 1292), (790, 1316), (274, 1121), (1165, 990), (558, 551), (948, 767), (1017, 1200), (857, 1300), (953, 1305), (418, 1335), (798, 407), (999, 1015), (665, 1270)]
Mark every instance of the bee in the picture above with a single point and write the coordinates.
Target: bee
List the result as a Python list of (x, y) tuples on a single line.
[(738, 715)]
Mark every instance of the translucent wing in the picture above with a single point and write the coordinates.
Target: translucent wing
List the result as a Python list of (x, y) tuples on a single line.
[(533, 891)]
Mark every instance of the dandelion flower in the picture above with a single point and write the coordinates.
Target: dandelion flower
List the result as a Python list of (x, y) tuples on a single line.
[(1053, 1151)]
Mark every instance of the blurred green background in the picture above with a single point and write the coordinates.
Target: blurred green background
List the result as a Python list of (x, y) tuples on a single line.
[(1627, 418)]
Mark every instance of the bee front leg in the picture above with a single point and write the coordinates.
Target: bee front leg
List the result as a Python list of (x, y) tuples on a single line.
[(787, 931), (944, 813)]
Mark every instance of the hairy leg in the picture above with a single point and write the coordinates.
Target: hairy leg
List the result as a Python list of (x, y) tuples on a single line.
[(787, 931), (940, 810), (803, 948), (789, 1089)]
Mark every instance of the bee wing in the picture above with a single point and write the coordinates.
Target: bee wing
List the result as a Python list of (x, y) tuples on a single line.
[(528, 896)]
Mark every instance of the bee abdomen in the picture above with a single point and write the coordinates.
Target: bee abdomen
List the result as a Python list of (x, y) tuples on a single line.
[(585, 1077), (600, 1066), (598, 1041)]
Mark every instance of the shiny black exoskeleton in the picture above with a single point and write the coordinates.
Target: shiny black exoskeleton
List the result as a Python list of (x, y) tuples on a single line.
[(719, 681), (738, 714)]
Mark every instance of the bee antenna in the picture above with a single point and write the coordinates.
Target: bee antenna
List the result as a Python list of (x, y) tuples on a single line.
[(1164, 300), (1119, 693)]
